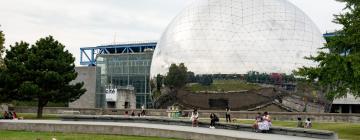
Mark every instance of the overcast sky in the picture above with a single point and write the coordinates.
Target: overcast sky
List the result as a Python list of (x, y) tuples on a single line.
[(88, 23)]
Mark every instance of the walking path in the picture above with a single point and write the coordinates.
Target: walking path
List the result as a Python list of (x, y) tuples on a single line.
[(143, 127)]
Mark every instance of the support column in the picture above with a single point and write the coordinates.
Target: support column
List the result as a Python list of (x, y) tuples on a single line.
[(350, 109), (340, 108)]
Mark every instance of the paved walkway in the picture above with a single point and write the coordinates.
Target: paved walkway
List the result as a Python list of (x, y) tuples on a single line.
[(220, 132)]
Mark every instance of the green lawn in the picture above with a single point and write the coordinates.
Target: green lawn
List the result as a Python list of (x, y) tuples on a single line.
[(222, 85), (349, 131), (21, 135), (32, 116)]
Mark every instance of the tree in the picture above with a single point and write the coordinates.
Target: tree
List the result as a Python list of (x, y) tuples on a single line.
[(177, 76), (338, 70), (2, 48), (40, 73)]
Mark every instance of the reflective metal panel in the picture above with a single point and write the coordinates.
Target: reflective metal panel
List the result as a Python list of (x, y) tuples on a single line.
[(237, 36)]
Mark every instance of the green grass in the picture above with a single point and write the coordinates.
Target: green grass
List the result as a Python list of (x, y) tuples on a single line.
[(223, 85), (349, 131), (22, 135), (32, 116)]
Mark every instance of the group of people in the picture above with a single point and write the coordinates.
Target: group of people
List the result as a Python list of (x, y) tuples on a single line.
[(262, 122), (9, 115), (306, 124), (133, 113), (213, 118)]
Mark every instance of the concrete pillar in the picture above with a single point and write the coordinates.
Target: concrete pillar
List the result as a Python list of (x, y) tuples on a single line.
[(340, 108), (350, 109)]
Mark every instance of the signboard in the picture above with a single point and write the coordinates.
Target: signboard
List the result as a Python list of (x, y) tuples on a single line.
[(111, 95)]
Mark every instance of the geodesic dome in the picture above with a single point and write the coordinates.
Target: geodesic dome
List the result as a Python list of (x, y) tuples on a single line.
[(237, 36)]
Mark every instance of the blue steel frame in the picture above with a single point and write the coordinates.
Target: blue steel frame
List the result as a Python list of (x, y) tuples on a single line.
[(88, 54)]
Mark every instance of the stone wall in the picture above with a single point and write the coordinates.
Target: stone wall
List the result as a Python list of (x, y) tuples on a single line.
[(4, 107), (298, 104), (88, 76), (284, 116)]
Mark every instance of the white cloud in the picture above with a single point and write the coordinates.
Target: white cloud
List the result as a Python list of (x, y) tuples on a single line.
[(86, 23)]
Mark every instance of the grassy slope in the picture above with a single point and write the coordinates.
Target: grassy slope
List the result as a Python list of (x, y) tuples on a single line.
[(21, 135), (223, 85)]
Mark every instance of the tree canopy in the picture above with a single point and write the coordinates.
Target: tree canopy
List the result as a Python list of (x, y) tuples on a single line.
[(2, 48), (177, 76), (41, 73), (338, 71)]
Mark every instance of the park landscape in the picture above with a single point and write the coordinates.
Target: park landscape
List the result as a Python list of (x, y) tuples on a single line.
[(40, 82)]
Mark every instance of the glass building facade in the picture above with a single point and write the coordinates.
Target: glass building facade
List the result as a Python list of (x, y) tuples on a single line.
[(128, 69)]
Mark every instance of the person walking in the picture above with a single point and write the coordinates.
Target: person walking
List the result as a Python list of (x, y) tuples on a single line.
[(227, 114)]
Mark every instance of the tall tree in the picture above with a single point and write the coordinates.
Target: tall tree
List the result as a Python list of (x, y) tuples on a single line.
[(177, 76), (338, 71), (41, 73), (2, 48)]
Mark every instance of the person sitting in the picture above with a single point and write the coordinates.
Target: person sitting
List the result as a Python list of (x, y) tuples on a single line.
[(265, 125), (258, 119), (308, 123), (10, 115), (143, 110), (14, 116), (213, 120), (6, 115), (133, 113), (194, 118), (300, 123)]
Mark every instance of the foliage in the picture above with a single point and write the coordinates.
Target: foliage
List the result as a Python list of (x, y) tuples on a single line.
[(41, 73), (2, 48), (338, 70), (265, 78), (205, 80), (190, 77), (159, 81), (223, 85), (177, 75)]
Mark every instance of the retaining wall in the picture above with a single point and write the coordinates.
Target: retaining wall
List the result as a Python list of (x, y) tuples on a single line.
[(285, 116)]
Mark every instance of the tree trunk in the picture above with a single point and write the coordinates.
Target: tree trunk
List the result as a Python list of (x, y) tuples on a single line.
[(41, 105), (40, 110)]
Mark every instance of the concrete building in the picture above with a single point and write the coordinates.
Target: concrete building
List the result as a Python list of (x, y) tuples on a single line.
[(88, 76), (348, 104), (121, 98), (122, 66)]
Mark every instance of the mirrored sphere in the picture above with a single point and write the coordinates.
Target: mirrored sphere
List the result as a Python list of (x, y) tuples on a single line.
[(237, 36)]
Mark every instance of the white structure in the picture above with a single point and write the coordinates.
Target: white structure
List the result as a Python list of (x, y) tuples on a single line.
[(237, 36), (120, 97)]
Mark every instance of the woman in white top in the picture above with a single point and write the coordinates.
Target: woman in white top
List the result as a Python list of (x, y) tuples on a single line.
[(308, 123), (194, 118), (266, 123)]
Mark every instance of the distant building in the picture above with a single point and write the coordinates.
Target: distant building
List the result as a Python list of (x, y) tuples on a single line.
[(348, 104), (119, 65), (120, 97)]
